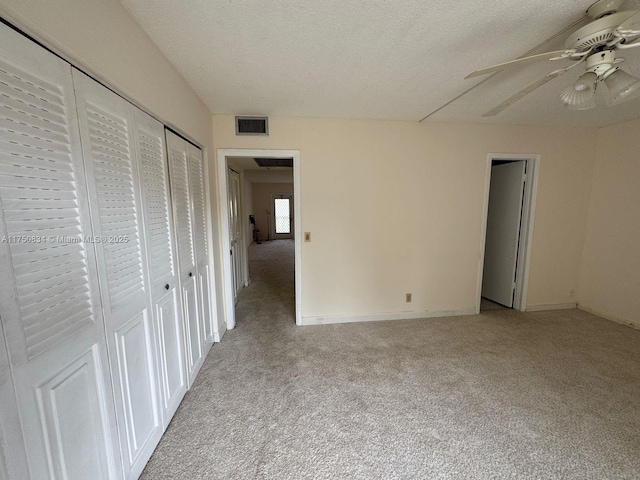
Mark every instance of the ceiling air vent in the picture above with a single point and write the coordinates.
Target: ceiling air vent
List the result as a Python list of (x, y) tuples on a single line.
[(274, 162), (252, 126)]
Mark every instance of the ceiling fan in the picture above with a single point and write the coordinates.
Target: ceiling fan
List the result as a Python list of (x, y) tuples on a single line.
[(596, 45)]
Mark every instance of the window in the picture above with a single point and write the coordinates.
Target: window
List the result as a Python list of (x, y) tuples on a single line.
[(283, 215)]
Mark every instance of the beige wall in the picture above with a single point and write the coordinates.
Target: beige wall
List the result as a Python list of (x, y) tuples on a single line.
[(262, 203), (610, 278), (397, 207), (101, 37), (424, 183)]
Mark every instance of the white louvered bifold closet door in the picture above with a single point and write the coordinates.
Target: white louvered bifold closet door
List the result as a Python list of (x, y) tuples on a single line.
[(165, 294), (199, 209), (13, 461), (49, 296), (106, 130), (182, 213)]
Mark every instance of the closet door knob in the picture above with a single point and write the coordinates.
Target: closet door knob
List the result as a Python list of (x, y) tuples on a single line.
[(167, 286), (190, 274)]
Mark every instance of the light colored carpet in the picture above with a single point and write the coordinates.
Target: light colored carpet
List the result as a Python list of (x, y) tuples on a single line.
[(500, 395), (486, 304)]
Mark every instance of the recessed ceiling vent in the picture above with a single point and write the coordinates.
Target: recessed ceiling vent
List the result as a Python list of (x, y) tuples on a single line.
[(252, 126), (274, 162)]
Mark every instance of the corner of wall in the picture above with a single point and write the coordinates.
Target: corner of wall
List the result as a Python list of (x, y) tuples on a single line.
[(595, 153), (610, 267)]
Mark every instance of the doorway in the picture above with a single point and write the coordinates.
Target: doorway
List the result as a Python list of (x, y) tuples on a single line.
[(508, 227), (247, 234)]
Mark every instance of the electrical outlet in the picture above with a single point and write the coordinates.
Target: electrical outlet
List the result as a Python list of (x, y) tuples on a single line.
[(307, 236), (572, 292), (408, 297)]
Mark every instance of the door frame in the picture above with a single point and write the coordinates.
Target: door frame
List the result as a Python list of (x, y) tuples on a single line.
[(222, 165), (532, 162)]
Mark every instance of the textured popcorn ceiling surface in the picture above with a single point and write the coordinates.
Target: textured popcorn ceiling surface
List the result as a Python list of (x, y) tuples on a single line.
[(372, 59)]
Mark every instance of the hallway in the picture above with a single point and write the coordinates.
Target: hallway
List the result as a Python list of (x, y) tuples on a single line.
[(269, 300), (503, 394)]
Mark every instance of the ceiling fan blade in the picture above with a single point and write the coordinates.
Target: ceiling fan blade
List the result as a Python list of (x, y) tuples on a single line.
[(530, 88), (556, 55), (630, 28), (522, 93)]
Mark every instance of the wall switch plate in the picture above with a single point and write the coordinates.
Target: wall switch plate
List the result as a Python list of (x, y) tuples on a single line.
[(408, 297), (307, 236)]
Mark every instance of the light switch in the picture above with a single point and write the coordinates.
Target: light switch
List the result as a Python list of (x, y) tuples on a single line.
[(307, 236)]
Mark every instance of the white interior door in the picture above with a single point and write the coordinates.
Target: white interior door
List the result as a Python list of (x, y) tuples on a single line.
[(49, 295), (106, 130), (165, 294), (235, 230), (182, 214), (506, 192)]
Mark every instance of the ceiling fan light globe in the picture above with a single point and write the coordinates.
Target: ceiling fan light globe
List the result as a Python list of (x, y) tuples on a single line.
[(580, 95), (622, 86), (587, 105), (586, 82), (578, 100)]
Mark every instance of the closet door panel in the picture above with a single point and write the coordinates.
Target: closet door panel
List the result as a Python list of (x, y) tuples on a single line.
[(182, 213), (106, 129), (195, 334), (13, 459), (204, 291), (152, 158), (49, 296), (65, 401), (169, 325), (196, 180)]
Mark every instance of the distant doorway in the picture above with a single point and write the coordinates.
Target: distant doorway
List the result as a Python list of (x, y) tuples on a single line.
[(508, 227)]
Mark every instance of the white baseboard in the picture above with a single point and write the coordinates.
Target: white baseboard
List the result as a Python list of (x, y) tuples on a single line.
[(610, 317), (217, 337), (377, 317), (551, 306)]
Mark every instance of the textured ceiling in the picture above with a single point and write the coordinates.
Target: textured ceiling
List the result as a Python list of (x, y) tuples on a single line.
[(375, 59)]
